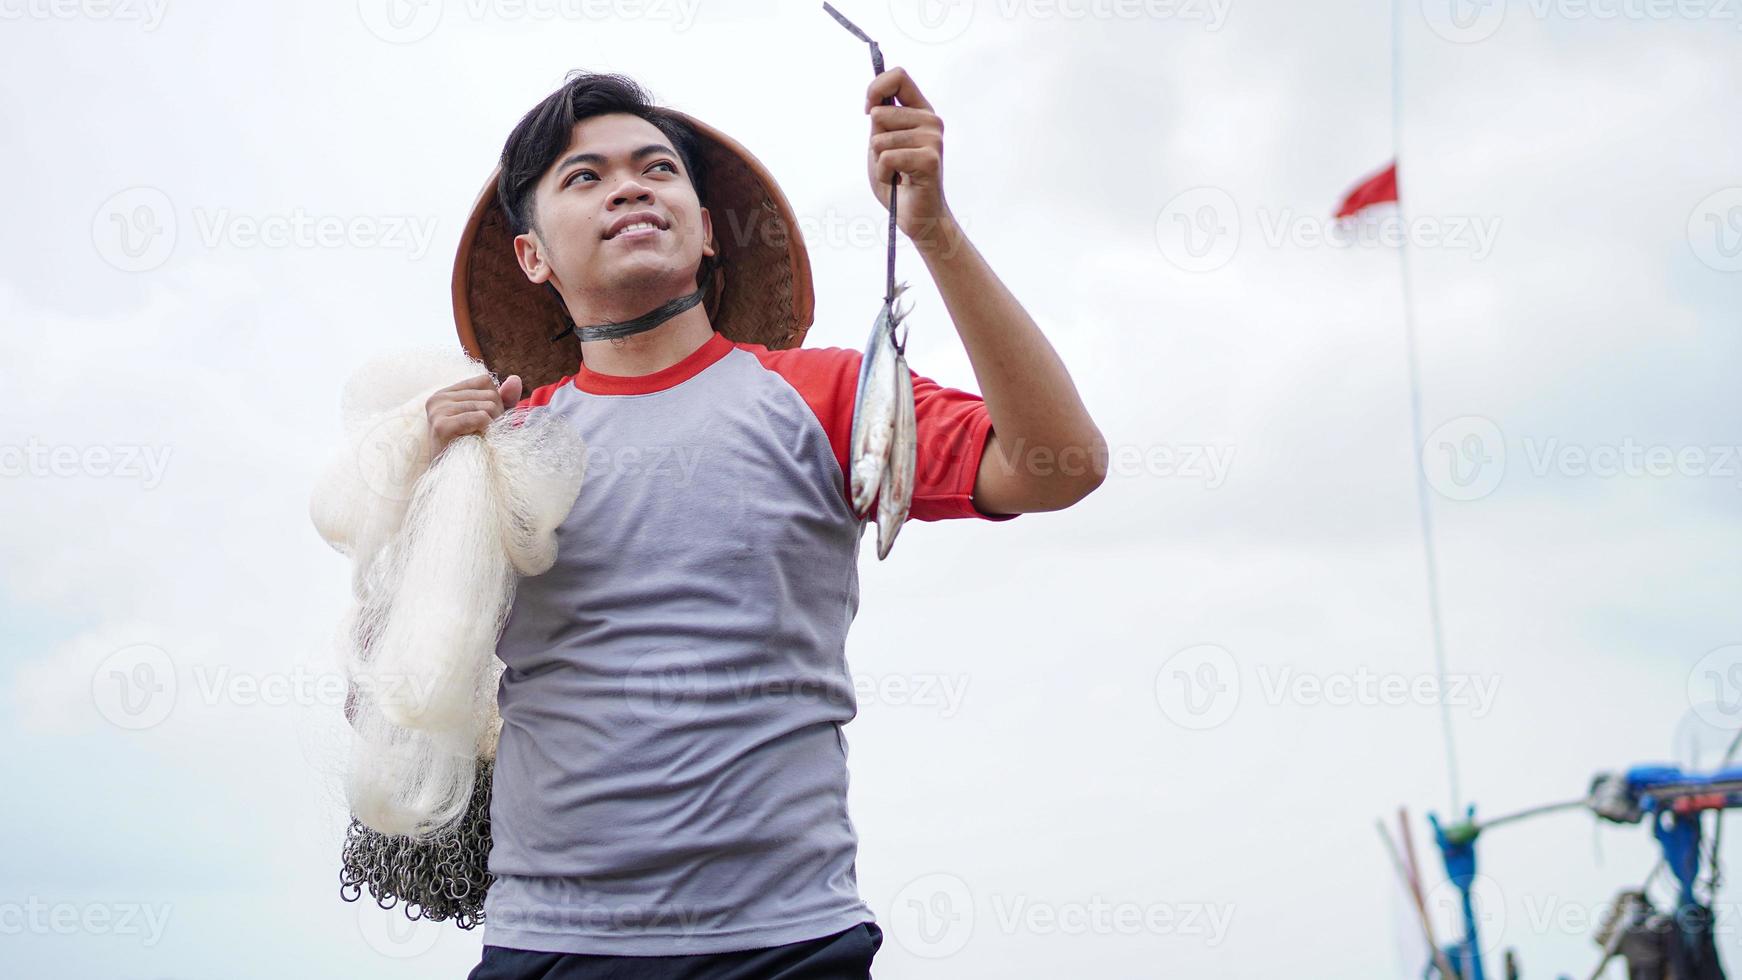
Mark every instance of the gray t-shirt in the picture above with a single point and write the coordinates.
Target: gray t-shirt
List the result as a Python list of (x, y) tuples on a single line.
[(672, 774)]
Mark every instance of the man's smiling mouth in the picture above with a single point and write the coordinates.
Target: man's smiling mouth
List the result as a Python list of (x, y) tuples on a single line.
[(636, 225)]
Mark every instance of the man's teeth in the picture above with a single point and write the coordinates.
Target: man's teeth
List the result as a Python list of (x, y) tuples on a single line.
[(637, 226)]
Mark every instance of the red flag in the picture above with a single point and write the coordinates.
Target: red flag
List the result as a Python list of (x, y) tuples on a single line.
[(1381, 188)]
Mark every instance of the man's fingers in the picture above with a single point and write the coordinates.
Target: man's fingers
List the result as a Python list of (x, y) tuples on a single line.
[(901, 139), (465, 423), (912, 162), (461, 390), (490, 407), (895, 83), (889, 117), (469, 406), (482, 381)]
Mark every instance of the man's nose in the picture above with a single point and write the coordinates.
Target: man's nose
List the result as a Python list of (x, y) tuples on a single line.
[(631, 190)]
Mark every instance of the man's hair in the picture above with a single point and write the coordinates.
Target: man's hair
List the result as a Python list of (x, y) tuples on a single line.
[(544, 133)]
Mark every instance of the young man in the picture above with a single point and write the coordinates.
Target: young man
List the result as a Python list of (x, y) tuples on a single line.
[(671, 780)]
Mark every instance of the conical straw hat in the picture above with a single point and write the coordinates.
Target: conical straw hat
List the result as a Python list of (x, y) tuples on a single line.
[(761, 291)]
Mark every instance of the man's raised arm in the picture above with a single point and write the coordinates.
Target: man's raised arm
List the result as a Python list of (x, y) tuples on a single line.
[(1045, 453)]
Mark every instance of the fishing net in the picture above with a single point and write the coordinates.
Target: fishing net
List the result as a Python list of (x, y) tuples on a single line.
[(437, 548), (441, 878)]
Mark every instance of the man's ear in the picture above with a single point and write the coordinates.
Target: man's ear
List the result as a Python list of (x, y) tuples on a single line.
[(529, 252), (708, 234)]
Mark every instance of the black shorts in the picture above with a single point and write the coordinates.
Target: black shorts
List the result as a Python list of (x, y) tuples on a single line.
[(842, 956)]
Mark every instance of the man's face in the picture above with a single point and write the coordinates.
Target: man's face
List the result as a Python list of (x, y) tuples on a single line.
[(592, 211)]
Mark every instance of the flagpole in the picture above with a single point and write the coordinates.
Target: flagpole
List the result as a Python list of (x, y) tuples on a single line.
[(1423, 491)]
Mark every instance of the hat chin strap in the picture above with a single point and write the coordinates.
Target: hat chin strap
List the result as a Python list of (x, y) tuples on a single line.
[(647, 321)]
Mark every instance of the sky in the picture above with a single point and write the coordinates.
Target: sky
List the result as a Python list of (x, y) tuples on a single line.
[(1146, 736)]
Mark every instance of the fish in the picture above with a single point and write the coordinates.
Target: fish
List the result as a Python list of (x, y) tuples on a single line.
[(884, 444), (896, 495), (874, 409)]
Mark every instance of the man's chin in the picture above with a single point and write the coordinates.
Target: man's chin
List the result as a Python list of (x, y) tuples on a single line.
[(637, 271), (645, 278)]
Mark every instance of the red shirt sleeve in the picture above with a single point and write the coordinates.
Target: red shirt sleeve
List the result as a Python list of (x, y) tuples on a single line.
[(538, 398), (541, 395), (952, 425)]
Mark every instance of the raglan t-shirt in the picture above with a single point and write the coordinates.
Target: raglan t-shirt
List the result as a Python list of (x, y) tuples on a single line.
[(671, 776)]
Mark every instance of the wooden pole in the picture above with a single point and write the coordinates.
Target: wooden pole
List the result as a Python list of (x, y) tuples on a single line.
[(1414, 888)]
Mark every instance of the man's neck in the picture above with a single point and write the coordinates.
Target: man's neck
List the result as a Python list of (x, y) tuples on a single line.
[(650, 350)]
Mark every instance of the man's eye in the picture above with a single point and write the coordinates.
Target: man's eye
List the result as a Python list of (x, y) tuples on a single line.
[(666, 164), (571, 177)]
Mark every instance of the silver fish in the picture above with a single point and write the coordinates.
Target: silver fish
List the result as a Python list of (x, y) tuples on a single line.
[(897, 493), (874, 410)]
